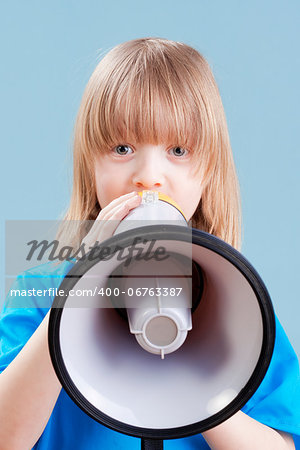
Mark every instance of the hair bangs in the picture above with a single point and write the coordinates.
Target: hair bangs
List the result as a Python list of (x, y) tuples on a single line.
[(148, 104)]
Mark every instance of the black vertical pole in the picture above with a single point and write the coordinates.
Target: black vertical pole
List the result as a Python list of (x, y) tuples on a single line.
[(152, 444)]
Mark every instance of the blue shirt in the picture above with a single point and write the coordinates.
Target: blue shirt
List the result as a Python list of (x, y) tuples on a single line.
[(276, 402)]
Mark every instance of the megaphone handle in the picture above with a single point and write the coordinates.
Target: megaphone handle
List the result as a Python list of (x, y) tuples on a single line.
[(152, 444)]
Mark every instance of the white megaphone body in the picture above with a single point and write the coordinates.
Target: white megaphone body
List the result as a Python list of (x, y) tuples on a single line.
[(162, 288), (159, 326)]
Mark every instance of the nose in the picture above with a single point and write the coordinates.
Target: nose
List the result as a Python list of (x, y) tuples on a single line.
[(148, 173)]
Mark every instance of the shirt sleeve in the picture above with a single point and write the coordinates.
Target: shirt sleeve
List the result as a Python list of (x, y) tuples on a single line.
[(22, 313), (276, 402)]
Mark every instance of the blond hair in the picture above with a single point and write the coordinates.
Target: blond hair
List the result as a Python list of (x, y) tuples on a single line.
[(156, 90)]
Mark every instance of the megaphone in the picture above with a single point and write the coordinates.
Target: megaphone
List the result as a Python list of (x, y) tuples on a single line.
[(177, 334)]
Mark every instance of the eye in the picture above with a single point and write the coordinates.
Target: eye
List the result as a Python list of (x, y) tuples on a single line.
[(178, 151), (123, 150)]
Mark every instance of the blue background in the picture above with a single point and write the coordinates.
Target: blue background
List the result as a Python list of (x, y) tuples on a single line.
[(49, 50)]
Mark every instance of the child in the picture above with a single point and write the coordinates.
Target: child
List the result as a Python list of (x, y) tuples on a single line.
[(151, 118)]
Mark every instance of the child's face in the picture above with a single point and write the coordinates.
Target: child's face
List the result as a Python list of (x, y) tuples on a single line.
[(170, 170)]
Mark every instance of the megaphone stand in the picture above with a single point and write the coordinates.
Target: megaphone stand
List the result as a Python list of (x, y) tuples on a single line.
[(151, 444)]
